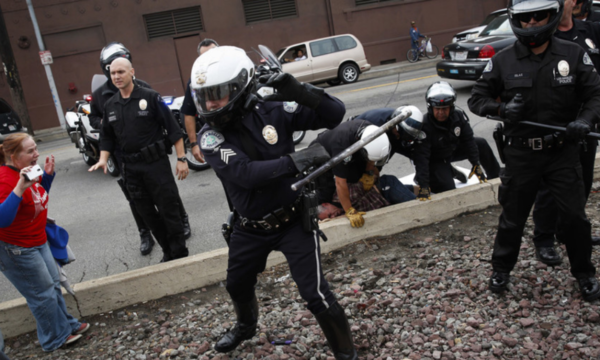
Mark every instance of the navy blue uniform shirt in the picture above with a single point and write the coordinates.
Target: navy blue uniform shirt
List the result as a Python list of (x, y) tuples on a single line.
[(99, 98), (379, 117), (258, 187)]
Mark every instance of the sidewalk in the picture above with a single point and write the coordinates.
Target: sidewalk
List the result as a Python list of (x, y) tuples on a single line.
[(56, 133)]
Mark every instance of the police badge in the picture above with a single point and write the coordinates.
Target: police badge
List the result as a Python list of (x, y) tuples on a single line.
[(457, 131), (563, 68), (143, 104), (290, 106), (270, 134), (590, 43)]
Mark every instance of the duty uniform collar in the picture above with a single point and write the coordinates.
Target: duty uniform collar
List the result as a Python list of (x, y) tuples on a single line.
[(135, 94), (523, 51)]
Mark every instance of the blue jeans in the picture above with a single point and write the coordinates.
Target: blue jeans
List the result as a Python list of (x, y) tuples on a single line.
[(394, 191), (33, 272)]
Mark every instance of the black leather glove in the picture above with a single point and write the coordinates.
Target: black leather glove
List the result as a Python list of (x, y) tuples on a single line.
[(312, 155), (578, 129), (290, 89), (513, 110), (478, 171), (424, 194)]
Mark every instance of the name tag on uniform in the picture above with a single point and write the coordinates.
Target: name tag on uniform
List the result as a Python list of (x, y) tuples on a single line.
[(518, 76), (142, 112), (112, 118), (564, 80)]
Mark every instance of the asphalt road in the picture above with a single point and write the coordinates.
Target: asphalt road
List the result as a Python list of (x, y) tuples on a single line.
[(102, 232)]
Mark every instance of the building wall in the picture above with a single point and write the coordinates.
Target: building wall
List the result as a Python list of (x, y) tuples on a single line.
[(76, 30)]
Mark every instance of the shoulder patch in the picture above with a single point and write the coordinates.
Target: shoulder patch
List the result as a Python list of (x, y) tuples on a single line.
[(211, 139), (587, 60), (489, 67), (457, 131), (290, 106)]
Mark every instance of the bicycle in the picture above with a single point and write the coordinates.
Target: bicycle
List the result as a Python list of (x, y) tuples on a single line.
[(413, 54)]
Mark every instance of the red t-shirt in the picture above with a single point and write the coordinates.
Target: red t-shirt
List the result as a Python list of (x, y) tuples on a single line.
[(29, 227)]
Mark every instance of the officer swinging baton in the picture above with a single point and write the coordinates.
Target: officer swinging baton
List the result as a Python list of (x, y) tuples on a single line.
[(404, 114), (592, 135)]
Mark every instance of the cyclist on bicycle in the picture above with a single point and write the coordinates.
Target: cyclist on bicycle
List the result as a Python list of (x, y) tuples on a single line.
[(415, 35)]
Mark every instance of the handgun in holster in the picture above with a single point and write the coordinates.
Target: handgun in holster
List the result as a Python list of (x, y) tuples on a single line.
[(227, 227), (499, 139), (310, 210)]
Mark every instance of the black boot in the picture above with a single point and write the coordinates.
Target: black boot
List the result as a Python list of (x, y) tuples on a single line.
[(247, 320), (187, 230), (335, 326), (147, 242)]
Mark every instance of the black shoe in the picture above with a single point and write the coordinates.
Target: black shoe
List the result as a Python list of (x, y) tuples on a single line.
[(499, 281), (335, 326), (595, 240), (548, 255), (187, 230), (590, 290), (458, 175), (147, 242), (247, 321)]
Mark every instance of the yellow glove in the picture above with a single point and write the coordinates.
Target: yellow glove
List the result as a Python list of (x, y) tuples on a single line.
[(478, 171), (355, 217), (424, 194), (368, 181)]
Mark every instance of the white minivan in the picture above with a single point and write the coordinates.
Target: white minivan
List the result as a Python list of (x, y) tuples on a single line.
[(334, 59)]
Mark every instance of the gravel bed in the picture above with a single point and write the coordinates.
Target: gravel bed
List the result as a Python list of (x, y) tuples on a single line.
[(421, 294)]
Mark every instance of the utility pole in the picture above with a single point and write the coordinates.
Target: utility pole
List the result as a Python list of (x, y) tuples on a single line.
[(55, 98), (12, 75)]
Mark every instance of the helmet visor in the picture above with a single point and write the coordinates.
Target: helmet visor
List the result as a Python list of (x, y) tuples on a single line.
[(210, 99)]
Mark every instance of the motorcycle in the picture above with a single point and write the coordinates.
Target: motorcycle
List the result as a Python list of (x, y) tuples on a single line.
[(174, 105), (85, 138)]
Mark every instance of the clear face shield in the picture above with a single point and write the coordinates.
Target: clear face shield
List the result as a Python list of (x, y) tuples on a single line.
[(211, 99)]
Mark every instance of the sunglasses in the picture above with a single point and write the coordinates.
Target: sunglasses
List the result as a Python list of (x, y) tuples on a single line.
[(537, 16)]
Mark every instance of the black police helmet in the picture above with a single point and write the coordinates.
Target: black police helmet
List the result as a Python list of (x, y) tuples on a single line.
[(111, 52), (586, 6), (523, 10), (440, 94)]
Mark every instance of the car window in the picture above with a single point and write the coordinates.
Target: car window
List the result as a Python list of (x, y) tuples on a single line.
[(491, 17), (322, 47), (278, 55), (345, 43), (498, 26)]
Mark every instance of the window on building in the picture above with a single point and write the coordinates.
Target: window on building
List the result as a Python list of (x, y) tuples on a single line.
[(174, 22), (261, 10), (369, 2)]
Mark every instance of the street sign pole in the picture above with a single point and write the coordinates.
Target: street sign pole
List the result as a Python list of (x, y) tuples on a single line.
[(47, 60)]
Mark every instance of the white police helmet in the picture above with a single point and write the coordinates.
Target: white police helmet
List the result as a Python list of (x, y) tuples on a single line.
[(379, 149), (412, 125), (225, 72)]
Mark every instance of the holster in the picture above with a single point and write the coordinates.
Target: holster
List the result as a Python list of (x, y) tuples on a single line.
[(227, 227), (499, 140), (154, 152)]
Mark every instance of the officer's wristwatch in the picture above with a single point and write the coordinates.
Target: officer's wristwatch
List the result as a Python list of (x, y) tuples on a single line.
[(194, 144), (182, 159)]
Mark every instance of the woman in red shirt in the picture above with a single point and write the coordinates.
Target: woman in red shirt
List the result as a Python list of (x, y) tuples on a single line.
[(25, 257)]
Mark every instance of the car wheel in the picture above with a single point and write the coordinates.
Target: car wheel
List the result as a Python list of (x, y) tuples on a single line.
[(88, 159), (433, 53), (348, 73), (112, 167), (191, 160), (334, 82), (297, 136)]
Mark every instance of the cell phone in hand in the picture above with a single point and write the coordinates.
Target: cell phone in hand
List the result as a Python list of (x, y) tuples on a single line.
[(35, 172)]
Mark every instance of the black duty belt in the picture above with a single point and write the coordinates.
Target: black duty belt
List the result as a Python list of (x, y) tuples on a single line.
[(276, 220), (148, 154), (552, 141)]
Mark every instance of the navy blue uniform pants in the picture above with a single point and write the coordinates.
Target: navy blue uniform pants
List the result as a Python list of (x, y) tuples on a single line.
[(560, 171), (248, 252), (441, 176), (545, 212), (156, 197)]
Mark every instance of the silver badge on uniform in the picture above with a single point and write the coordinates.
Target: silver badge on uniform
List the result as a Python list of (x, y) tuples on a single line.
[(143, 104), (587, 60), (590, 43), (489, 67), (270, 134), (563, 68), (457, 131), (290, 106), (211, 139), (348, 159)]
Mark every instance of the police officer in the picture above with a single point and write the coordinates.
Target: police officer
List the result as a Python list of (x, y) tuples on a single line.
[(449, 137), (363, 166), (584, 11), (249, 145), (547, 80), (100, 96), (545, 212), (135, 120), (188, 108)]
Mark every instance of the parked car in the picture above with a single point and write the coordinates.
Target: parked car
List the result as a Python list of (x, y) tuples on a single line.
[(465, 60), (10, 122), (474, 32), (334, 59)]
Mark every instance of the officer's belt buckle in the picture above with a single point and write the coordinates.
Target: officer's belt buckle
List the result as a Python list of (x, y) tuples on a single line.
[(536, 143), (265, 225)]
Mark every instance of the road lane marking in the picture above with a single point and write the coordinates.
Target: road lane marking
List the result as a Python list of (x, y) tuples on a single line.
[(382, 85)]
